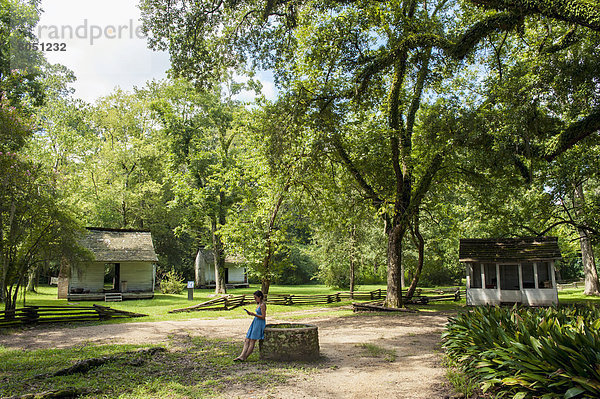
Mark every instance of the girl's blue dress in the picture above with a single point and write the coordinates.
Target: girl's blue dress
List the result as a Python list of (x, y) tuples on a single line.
[(257, 328)]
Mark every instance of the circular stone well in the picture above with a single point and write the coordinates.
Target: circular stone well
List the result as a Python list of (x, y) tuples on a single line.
[(290, 341)]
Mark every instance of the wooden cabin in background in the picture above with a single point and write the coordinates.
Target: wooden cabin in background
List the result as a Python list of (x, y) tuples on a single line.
[(511, 270), (236, 275), (123, 267)]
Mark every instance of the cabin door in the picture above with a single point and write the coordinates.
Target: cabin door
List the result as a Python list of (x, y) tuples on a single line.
[(510, 283), (117, 280), (112, 277)]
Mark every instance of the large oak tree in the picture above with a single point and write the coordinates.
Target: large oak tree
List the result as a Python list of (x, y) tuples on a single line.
[(340, 60)]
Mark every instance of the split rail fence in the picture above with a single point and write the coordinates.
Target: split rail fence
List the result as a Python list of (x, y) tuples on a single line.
[(60, 314), (222, 303), (229, 302)]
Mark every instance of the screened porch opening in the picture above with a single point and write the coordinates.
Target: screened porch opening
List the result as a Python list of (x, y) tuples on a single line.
[(475, 275), (528, 275), (509, 277), (544, 275), (491, 280)]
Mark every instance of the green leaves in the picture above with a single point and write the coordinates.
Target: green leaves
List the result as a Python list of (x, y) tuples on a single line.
[(529, 352)]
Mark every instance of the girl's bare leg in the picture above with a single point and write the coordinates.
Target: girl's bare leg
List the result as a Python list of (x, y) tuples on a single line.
[(246, 344), (249, 349)]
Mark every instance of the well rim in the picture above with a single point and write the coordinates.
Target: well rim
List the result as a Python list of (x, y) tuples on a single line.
[(296, 327)]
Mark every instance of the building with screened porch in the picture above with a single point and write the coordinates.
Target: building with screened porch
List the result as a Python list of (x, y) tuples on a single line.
[(511, 270)]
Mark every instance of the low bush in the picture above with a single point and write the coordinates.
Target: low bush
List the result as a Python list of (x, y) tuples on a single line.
[(172, 283), (526, 353)]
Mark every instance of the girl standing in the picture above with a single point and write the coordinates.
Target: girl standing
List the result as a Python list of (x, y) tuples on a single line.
[(257, 328)]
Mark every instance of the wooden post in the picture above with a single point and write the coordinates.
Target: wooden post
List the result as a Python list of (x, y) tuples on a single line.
[(31, 314), (190, 288)]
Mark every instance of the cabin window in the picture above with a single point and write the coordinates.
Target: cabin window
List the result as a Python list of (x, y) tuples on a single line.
[(475, 275), (544, 275), (509, 277), (528, 275), (491, 280)]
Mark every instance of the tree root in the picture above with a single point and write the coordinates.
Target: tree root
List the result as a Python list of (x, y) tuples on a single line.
[(69, 392), (86, 365)]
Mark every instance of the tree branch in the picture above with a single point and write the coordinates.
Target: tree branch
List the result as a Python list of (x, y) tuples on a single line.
[(396, 130), (573, 134), (580, 12), (567, 40), (425, 183), (377, 202), (456, 50)]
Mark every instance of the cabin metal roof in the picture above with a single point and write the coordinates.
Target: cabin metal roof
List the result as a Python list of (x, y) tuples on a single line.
[(509, 249), (113, 245)]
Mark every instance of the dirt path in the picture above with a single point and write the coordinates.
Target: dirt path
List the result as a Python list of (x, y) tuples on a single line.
[(416, 373)]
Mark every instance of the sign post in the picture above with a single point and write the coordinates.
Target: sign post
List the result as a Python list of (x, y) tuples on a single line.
[(190, 287)]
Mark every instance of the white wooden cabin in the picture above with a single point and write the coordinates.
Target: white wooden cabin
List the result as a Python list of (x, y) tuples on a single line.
[(235, 270), (511, 270), (125, 255)]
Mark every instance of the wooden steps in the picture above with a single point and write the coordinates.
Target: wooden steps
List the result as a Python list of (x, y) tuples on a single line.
[(113, 297)]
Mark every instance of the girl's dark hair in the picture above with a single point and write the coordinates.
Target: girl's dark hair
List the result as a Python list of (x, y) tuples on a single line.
[(259, 294)]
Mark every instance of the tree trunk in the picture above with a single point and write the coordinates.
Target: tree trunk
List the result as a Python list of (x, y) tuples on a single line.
[(266, 265), (265, 284), (32, 280), (11, 298), (402, 283), (394, 256), (2, 287), (592, 286), (352, 277), (265, 278), (589, 265), (220, 284), (199, 270), (352, 260), (3, 267), (421, 249)]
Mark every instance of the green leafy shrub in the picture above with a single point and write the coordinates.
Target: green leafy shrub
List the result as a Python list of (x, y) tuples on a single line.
[(571, 268), (526, 353), (172, 283)]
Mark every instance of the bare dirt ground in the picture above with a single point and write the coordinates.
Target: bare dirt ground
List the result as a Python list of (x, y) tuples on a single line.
[(416, 372)]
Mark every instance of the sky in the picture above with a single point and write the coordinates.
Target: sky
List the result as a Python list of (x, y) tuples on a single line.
[(104, 47)]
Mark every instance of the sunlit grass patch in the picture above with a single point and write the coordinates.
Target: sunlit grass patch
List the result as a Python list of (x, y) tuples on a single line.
[(372, 350), (461, 383)]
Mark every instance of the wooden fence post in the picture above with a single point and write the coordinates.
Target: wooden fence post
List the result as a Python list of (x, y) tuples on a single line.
[(457, 295), (31, 314)]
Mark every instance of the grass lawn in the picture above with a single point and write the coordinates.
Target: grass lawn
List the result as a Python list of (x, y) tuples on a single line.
[(190, 367), (157, 308), (575, 295)]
